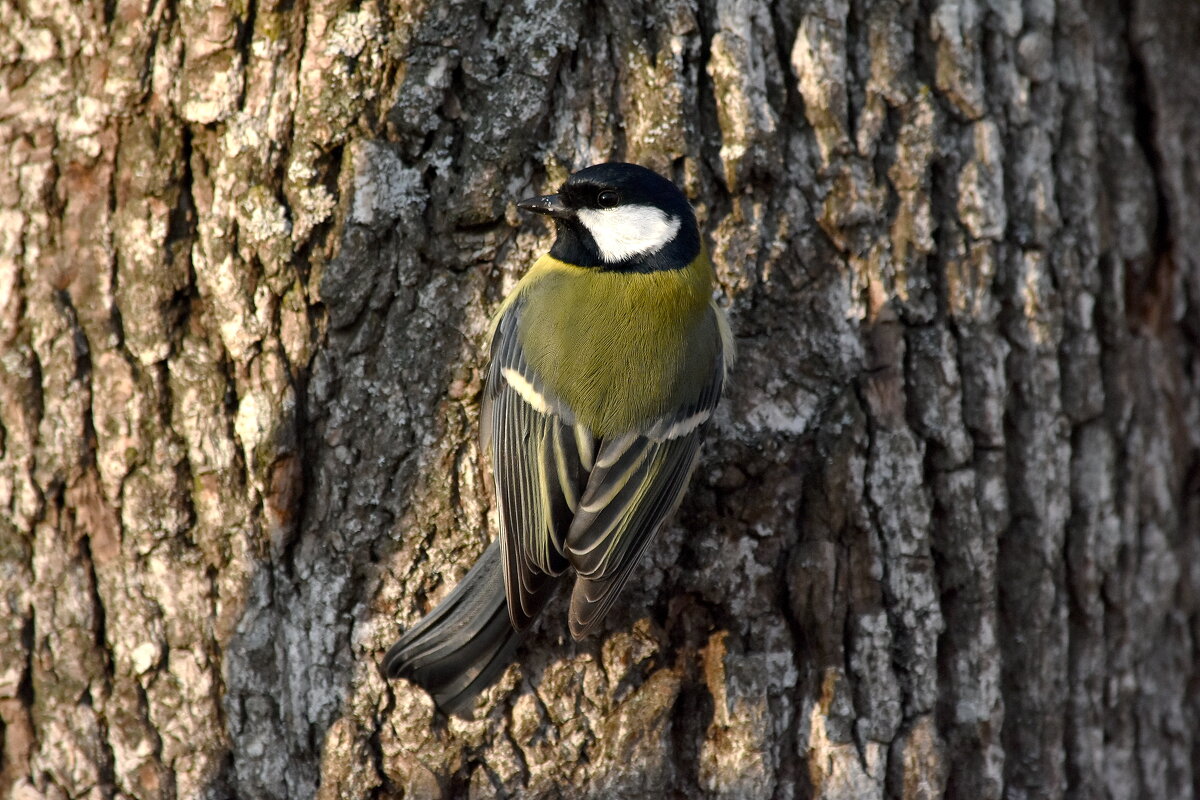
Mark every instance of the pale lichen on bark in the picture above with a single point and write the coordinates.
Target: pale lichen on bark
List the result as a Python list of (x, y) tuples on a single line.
[(943, 540)]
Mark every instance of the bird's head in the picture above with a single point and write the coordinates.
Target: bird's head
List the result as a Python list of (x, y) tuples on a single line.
[(618, 216)]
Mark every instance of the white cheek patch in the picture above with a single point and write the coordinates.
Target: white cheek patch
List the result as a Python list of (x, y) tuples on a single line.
[(627, 231)]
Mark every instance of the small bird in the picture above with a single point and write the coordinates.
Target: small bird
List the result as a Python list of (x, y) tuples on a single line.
[(607, 361)]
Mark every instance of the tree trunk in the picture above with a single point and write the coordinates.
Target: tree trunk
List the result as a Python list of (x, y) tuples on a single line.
[(945, 540)]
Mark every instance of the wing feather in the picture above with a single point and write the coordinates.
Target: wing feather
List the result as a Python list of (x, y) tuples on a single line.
[(650, 508), (638, 480), (536, 473)]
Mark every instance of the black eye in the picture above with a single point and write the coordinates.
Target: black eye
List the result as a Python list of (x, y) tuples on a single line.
[(608, 198)]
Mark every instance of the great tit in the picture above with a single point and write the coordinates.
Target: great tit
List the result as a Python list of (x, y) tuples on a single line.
[(607, 361)]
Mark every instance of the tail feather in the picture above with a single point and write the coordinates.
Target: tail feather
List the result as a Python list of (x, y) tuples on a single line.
[(464, 644)]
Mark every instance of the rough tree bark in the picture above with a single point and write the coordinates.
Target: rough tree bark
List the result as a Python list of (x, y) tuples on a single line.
[(943, 543)]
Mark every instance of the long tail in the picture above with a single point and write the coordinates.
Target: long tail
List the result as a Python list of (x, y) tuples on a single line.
[(464, 644)]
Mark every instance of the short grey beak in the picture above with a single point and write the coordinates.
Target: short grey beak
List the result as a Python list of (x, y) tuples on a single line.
[(549, 204)]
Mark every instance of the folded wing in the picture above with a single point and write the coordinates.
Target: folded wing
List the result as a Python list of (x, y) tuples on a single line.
[(637, 481), (569, 499), (537, 464)]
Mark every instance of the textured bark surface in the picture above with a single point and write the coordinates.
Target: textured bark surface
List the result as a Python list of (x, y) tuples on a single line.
[(945, 541)]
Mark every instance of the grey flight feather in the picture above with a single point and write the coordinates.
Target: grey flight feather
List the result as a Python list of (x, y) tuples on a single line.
[(464, 644)]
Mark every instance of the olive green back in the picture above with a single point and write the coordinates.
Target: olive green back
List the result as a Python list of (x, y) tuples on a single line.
[(619, 348)]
